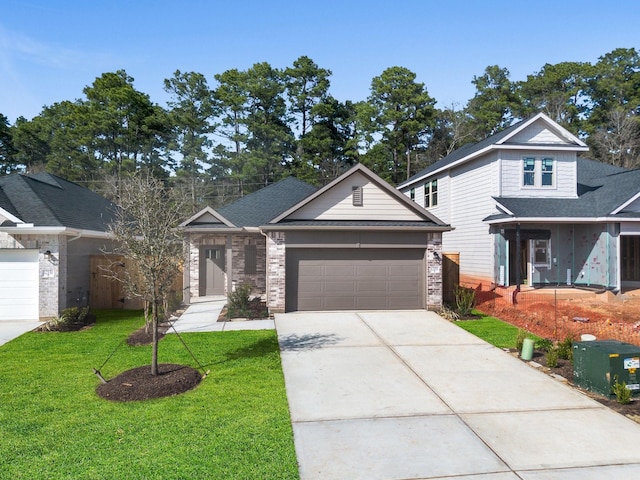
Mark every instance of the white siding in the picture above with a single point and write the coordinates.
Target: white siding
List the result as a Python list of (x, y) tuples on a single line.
[(336, 204), (538, 132), (565, 174), (470, 192)]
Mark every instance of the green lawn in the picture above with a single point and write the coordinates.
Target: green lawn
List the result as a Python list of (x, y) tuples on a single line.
[(492, 330), (235, 424)]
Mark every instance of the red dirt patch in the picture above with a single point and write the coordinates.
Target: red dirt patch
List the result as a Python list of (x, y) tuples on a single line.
[(139, 384)]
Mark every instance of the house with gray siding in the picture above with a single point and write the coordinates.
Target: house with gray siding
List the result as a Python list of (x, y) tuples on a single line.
[(527, 208), (49, 230), (356, 243)]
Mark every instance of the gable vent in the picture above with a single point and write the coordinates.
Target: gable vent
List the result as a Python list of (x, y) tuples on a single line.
[(356, 193)]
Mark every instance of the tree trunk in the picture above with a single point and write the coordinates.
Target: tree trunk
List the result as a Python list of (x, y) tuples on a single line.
[(154, 350)]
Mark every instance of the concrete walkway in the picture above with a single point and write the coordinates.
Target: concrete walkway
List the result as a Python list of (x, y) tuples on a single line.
[(202, 316), (408, 395), (10, 329)]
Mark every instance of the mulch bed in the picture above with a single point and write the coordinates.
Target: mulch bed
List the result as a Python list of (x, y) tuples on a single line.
[(144, 335), (139, 384), (565, 370)]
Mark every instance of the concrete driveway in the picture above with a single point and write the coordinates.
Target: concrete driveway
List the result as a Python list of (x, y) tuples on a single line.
[(10, 329), (408, 395)]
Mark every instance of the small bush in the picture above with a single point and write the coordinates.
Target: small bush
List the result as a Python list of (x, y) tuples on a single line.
[(622, 393), (552, 358), (465, 300), (449, 314), (70, 319), (565, 348), (544, 344), (522, 334), (238, 303)]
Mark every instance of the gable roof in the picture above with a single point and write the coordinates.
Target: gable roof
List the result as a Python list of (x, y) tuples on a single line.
[(426, 218), (603, 191), (255, 209), (46, 200), (503, 139)]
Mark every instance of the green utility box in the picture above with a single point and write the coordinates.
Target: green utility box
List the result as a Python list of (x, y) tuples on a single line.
[(599, 364)]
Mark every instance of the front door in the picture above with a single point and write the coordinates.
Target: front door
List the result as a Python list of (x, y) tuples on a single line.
[(524, 266), (211, 271)]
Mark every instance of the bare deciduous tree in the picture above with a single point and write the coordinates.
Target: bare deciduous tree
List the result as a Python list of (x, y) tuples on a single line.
[(144, 231), (618, 142)]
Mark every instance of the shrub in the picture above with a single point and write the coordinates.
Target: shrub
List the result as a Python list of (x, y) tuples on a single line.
[(622, 393), (565, 348), (552, 358), (448, 314), (465, 300), (238, 303), (70, 319), (544, 344), (522, 334)]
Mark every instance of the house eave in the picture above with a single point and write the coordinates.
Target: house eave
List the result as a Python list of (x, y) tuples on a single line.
[(284, 228), (30, 229), (556, 220)]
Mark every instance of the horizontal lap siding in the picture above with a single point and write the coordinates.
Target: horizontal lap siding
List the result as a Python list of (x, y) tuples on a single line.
[(337, 204), (564, 172), (469, 196)]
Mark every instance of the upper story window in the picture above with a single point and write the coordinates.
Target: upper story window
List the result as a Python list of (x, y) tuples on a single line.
[(412, 194), (538, 172), (529, 172), (547, 172), (431, 194)]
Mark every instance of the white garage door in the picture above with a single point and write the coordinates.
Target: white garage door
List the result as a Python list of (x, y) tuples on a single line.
[(18, 285), (346, 279)]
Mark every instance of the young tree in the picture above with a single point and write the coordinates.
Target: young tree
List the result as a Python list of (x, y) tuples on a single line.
[(144, 231)]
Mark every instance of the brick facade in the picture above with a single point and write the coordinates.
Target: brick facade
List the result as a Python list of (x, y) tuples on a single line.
[(234, 262)]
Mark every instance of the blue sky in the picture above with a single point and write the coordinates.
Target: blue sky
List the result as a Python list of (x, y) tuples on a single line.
[(51, 49)]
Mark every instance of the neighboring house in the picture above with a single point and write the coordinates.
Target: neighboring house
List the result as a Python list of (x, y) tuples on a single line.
[(526, 209), (49, 229), (356, 243)]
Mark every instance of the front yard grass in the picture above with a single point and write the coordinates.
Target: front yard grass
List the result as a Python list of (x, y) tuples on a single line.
[(493, 330), (235, 424)]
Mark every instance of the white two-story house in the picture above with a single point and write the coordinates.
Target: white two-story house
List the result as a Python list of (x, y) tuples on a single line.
[(526, 208)]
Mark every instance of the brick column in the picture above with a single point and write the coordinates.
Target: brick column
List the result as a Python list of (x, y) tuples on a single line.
[(276, 271), (434, 271)]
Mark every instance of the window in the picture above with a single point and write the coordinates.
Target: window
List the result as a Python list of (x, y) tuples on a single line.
[(412, 194), (250, 259), (431, 194), (356, 194), (547, 172), (541, 253), (529, 172)]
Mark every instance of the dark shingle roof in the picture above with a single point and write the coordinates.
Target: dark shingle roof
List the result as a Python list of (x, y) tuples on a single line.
[(602, 188), (49, 201), (259, 207)]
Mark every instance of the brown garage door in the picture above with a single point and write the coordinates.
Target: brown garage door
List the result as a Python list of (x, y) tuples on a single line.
[(349, 279)]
